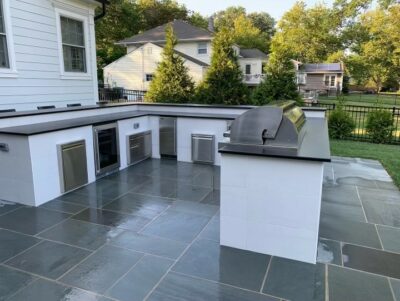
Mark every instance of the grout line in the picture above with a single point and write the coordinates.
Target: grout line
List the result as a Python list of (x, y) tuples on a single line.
[(361, 246), (76, 265), (392, 290), (15, 209), (127, 272), (379, 237), (176, 261), (20, 253), (57, 282), (341, 253), (59, 223), (66, 244), (266, 273), (22, 288), (139, 251), (226, 284), (360, 271), (326, 283), (153, 219), (362, 205)]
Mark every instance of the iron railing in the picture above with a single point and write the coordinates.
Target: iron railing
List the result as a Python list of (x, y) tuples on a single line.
[(359, 114), (120, 95)]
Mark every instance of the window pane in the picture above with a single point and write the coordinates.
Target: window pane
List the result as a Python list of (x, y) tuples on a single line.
[(333, 79), (74, 59), (2, 29), (248, 69), (3, 52), (202, 48), (72, 32)]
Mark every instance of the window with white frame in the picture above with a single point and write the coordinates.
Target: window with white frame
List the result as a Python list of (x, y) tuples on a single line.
[(330, 80), (73, 44), (149, 77), (248, 69), (301, 78), (4, 59), (202, 48)]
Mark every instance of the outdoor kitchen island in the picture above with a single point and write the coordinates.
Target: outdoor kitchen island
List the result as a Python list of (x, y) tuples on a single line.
[(271, 182)]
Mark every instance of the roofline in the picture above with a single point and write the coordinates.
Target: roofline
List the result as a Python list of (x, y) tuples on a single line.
[(183, 55), (192, 59), (159, 41)]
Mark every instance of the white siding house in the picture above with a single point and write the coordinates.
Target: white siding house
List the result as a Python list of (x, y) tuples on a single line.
[(134, 70), (47, 53)]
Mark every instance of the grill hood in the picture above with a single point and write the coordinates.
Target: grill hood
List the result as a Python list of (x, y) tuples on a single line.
[(280, 125)]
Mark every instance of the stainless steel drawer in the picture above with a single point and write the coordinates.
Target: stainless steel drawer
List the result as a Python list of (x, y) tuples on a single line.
[(72, 165), (139, 147), (203, 148)]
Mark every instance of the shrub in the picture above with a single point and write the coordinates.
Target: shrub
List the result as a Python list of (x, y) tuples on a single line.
[(279, 84), (340, 124), (171, 82), (223, 83), (380, 126)]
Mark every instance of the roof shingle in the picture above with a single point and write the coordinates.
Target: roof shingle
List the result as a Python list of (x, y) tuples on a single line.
[(182, 31), (253, 53)]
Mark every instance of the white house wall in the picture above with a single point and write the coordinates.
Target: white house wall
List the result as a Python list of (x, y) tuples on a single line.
[(38, 79), (256, 65), (130, 71), (191, 48)]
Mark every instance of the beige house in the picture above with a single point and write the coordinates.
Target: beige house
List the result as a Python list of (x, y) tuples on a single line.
[(135, 70), (322, 78)]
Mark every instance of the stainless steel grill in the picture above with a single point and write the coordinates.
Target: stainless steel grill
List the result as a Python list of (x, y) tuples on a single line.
[(270, 126)]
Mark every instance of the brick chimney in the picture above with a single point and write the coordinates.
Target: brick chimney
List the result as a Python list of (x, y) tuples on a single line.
[(211, 24)]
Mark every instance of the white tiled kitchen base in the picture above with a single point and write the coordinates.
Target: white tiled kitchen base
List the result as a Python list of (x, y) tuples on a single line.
[(271, 205)]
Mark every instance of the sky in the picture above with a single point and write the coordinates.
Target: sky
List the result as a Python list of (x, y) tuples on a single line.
[(276, 8)]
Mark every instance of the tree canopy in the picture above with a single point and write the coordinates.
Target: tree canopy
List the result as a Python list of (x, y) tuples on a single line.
[(253, 30)]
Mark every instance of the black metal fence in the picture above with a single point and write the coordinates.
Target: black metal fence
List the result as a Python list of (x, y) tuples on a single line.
[(120, 95), (359, 115)]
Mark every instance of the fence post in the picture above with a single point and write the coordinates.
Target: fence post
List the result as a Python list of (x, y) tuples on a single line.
[(334, 106)]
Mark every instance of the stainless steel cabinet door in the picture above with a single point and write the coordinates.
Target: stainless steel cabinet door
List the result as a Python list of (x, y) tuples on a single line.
[(139, 147), (168, 136), (73, 165), (203, 148)]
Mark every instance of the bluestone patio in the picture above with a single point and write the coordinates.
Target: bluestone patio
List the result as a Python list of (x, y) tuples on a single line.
[(151, 232)]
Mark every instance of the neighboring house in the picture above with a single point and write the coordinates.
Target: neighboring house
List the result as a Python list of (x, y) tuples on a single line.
[(47, 53), (135, 70), (322, 78)]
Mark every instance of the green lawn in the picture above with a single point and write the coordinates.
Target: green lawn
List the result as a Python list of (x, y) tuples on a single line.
[(388, 155), (365, 100)]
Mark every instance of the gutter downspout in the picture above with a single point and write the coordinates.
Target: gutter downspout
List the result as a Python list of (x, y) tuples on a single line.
[(103, 13)]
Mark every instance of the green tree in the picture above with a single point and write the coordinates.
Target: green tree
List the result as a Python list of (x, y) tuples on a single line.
[(223, 83), (121, 21), (171, 82), (157, 12), (376, 56), (198, 20), (264, 22), (279, 83), (313, 34), (249, 31)]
